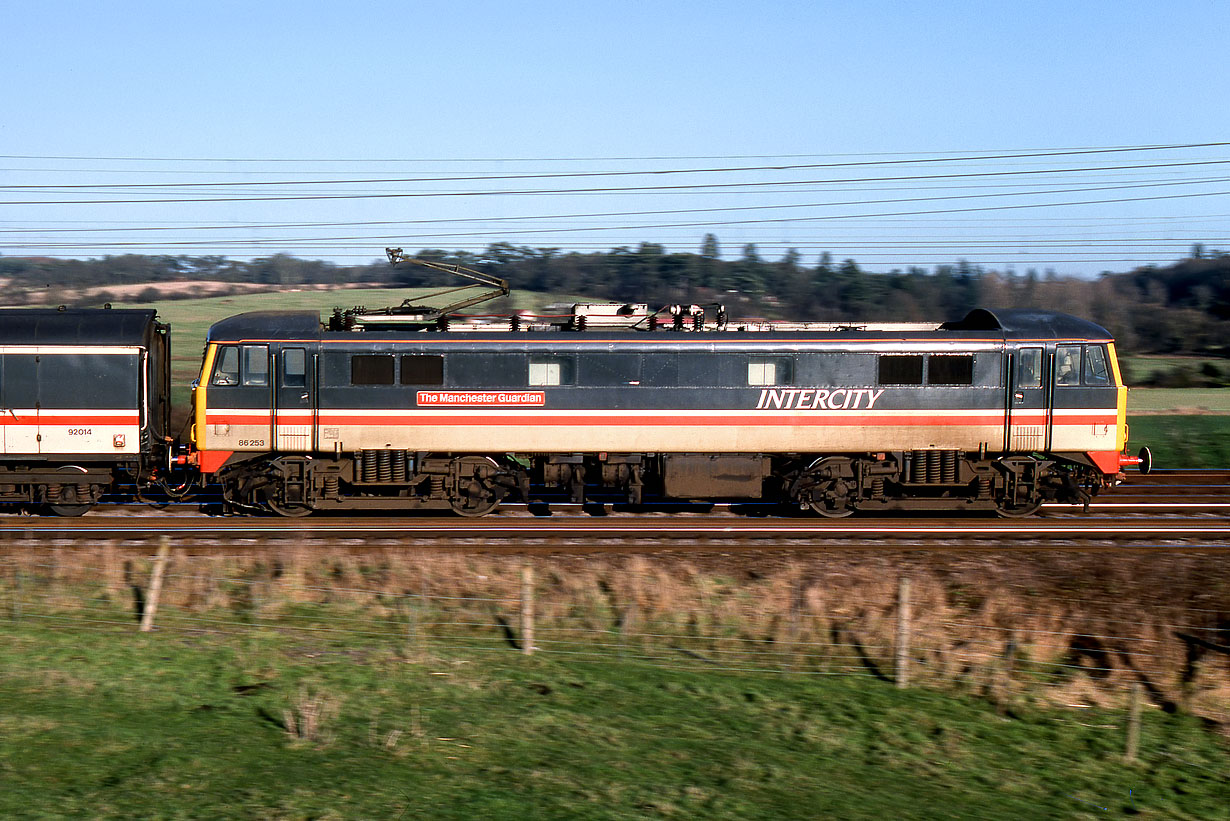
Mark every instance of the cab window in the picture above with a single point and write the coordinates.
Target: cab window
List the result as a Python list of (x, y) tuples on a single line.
[(1096, 371), (226, 371), (255, 365), (1068, 365)]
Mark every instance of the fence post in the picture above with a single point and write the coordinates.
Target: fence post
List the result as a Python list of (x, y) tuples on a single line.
[(16, 608), (527, 608), (1133, 728), (155, 584), (903, 633), (628, 621)]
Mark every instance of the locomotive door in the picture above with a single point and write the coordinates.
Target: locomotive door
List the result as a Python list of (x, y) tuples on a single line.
[(294, 418), (1029, 415)]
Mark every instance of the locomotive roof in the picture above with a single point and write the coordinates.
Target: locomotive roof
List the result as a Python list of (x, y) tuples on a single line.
[(266, 325), (1029, 323), (76, 326), (1009, 323)]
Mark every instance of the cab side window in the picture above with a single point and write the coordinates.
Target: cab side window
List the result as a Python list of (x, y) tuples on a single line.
[(1096, 371), (226, 371), (256, 365), (1068, 365)]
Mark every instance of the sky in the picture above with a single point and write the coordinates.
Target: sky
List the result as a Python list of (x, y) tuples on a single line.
[(916, 134)]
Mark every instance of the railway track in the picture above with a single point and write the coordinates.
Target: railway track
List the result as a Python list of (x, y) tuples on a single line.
[(1191, 507)]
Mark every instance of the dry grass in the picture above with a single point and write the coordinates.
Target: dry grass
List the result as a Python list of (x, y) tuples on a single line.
[(305, 719), (1070, 627)]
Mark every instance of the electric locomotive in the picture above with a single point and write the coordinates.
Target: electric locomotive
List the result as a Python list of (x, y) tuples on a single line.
[(1001, 410)]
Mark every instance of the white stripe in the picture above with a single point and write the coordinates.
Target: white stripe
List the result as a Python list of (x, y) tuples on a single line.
[(60, 350), (22, 413)]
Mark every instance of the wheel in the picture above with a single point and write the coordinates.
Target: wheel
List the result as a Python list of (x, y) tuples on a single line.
[(1020, 496), (69, 511), (474, 493), (289, 511), (285, 473), (1008, 511), (826, 487), (69, 504)]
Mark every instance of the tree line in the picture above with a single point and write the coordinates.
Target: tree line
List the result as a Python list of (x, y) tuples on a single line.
[(1182, 308)]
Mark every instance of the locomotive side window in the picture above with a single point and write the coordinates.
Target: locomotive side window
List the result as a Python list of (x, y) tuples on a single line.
[(1068, 365), (901, 370), (950, 370), (294, 368), (424, 369), (769, 371), (226, 372), (255, 365), (551, 370), (371, 369), (1096, 372), (1029, 368)]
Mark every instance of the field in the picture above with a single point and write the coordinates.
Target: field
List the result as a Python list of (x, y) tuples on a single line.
[(1182, 441), (1180, 401), (99, 721)]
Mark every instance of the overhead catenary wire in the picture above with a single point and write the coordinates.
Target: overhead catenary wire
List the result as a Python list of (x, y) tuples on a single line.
[(1134, 228)]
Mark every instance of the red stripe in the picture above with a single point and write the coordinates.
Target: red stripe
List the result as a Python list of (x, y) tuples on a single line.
[(74, 421), (543, 419)]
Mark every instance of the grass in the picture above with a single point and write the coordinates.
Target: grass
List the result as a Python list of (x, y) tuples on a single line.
[(109, 723), (1182, 441), (1179, 400)]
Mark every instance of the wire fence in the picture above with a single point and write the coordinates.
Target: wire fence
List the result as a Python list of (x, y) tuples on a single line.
[(1091, 631)]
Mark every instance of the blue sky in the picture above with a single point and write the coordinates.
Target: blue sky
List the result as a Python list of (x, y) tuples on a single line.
[(416, 90)]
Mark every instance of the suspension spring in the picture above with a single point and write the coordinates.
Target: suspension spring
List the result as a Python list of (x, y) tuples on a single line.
[(948, 473), (369, 466), (384, 465), (399, 466), (333, 486), (918, 466), (933, 466), (877, 487)]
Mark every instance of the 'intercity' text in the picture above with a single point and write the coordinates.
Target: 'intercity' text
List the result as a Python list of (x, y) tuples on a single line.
[(816, 398)]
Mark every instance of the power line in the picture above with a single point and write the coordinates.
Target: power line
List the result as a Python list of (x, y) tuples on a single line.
[(756, 184), (1005, 153)]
